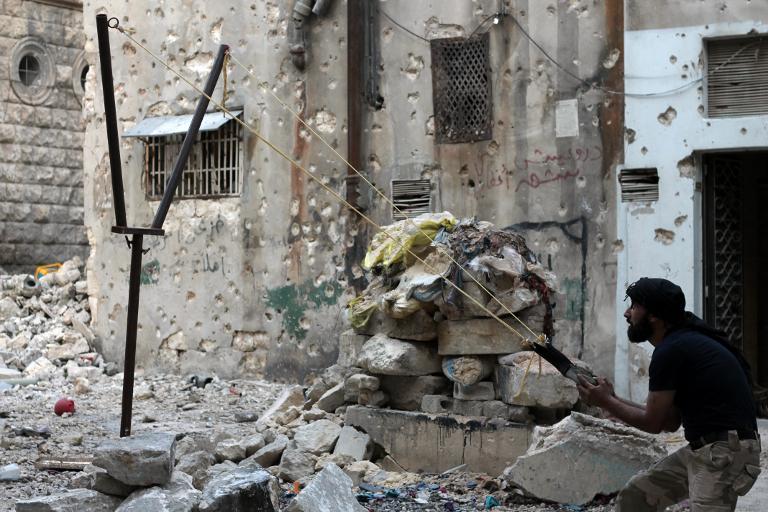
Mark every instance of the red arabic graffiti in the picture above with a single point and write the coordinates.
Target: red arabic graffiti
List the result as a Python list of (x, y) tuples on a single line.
[(535, 181), (573, 155)]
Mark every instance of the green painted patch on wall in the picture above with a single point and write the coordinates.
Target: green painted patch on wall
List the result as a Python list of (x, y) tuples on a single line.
[(574, 298), (293, 301), (150, 272)]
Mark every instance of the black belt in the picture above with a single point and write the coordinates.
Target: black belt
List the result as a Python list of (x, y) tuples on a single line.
[(713, 437)]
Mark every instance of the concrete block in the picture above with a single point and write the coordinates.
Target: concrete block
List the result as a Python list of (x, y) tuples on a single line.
[(354, 444), (584, 456), (406, 393), (428, 443), (329, 491), (440, 404), (420, 326), (331, 399), (388, 356), (196, 465), (270, 454), (178, 495), (240, 489), (350, 344), (317, 437), (296, 464), (142, 459), (77, 499), (478, 336), (547, 388), (481, 391)]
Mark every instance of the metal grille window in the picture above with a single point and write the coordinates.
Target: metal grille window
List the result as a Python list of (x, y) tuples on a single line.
[(412, 198), (214, 165), (461, 89), (737, 76), (639, 185)]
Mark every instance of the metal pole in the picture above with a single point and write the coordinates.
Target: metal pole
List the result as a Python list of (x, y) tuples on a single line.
[(134, 287), (105, 58), (189, 139)]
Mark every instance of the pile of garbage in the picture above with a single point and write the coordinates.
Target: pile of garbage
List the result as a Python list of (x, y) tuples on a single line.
[(44, 330), (428, 314)]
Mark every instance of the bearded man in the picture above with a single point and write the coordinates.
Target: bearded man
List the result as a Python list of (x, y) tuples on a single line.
[(695, 377)]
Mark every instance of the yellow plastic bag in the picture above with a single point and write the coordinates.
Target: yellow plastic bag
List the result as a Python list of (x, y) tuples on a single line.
[(390, 245)]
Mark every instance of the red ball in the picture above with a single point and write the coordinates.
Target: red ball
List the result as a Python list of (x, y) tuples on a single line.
[(64, 405)]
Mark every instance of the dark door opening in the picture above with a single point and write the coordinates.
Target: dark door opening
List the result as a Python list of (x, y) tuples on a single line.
[(735, 239)]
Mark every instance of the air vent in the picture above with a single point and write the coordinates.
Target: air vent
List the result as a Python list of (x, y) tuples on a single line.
[(461, 89), (411, 197), (737, 76), (639, 185)]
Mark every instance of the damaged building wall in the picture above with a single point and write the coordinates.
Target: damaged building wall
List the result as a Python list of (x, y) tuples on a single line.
[(41, 134), (256, 284), (248, 285), (558, 191), (670, 132)]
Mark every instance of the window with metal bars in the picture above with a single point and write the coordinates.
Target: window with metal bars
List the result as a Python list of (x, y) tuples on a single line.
[(411, 198), (461, 89), (737, 76), (213, 168)]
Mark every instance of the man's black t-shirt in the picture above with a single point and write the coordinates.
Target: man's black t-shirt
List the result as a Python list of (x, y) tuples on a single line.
[(712, 392)]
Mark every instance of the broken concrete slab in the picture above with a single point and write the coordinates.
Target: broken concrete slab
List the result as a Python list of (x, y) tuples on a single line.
[(480, 391), (290, 397), (331, 399), (196, 465), (479, 336), (75, 500), (350, 344), (229, 449), (388, 356), (329, 491), (354, 444), (406, 393), (240, 489), (97, 479), (581, 456), (429, 443), (419, 326), (270, 454), (296, 464), (178, 495), (547, 388), (143, 459), (317, 437), (440, 404), (252, 444)]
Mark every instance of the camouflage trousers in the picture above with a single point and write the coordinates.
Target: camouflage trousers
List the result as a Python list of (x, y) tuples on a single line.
[(711, 477)]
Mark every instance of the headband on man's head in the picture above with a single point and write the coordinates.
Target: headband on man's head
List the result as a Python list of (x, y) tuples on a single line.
[(659, 297)]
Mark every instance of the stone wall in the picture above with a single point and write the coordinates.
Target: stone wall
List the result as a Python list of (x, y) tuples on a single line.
[(41, 135)]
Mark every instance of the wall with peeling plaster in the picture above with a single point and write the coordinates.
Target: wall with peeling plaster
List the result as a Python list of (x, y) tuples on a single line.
[(669, 132), (250, 285), (255, 285)]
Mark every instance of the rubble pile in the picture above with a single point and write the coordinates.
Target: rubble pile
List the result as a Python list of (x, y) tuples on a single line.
[(44, 330), (424, 345)]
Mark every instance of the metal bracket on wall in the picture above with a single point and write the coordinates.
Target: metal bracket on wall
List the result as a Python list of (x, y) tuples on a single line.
[(103, 24)]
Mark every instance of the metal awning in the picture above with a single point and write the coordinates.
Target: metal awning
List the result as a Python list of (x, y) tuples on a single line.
[(171, 125)]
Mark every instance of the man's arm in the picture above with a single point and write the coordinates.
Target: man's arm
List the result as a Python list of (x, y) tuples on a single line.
[(658, 414)]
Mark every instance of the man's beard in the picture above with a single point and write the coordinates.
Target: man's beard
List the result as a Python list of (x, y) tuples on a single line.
[(640, 332)]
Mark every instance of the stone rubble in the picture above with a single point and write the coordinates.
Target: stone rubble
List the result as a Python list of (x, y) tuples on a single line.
[(203, 447)]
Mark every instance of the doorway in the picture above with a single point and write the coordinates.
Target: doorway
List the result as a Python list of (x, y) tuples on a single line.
[(735, 263)]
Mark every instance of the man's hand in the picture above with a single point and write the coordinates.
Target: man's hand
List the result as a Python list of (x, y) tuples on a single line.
[(598, 395)]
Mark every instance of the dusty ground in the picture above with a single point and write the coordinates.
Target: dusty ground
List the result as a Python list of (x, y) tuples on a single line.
[(29, 430)]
